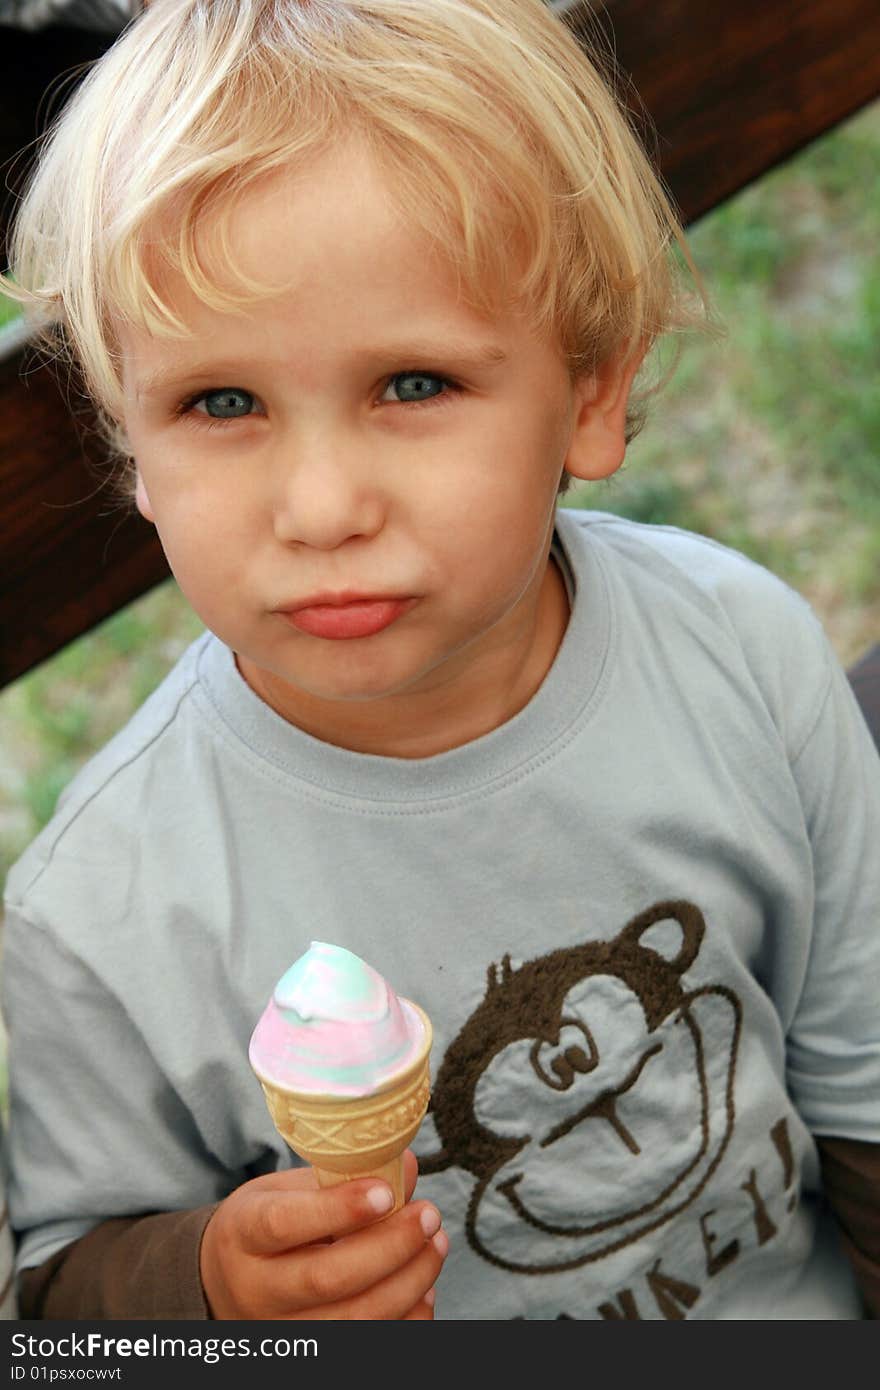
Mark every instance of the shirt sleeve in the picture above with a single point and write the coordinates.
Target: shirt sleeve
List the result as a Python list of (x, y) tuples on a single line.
[(8, 1307), (145, 1267), (833, 1043), (851, 1179), (96, 1129)]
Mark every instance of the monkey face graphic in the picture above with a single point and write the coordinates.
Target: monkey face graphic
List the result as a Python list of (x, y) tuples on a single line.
[(590, 1094)]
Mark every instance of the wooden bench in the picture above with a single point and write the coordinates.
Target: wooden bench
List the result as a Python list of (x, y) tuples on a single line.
[(732, 90)]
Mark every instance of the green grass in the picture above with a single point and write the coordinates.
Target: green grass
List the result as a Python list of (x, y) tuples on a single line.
[(8, 310)]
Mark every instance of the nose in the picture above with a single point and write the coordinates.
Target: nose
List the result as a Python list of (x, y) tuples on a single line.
[(326, 491)]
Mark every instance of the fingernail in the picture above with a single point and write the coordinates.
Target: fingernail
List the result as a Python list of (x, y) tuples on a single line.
[(430, 1219), (430, 1297), (380, 1200), (441, 1244)]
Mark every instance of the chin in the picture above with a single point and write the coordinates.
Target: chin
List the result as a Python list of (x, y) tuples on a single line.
[(351, 681)]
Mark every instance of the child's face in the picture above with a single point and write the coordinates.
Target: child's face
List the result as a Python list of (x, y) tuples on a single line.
[(355, 481)]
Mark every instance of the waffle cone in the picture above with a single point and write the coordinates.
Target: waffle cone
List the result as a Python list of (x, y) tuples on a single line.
[(345, 1137)]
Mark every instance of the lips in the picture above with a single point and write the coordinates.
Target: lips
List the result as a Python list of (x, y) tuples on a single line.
[(345, 616)]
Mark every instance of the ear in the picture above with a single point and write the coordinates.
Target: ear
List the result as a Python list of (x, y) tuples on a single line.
[(141, 498), (598, 442)]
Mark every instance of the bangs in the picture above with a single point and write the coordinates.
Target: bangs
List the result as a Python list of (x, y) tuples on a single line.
[(498, 138)]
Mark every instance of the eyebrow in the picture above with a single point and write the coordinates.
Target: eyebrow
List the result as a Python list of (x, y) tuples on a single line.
[(478, 354), (411, 352)]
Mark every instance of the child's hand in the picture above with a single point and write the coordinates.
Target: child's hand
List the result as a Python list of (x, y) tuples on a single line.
[(282, 1247)]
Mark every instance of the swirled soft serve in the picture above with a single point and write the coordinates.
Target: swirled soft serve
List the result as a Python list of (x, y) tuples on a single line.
[(334, 1025)]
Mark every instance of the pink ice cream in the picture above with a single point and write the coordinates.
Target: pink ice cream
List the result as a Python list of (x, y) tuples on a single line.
[(333, 1026)]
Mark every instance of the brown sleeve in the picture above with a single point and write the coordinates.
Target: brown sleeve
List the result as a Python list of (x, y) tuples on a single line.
[(851, 1177), (129, 1267)]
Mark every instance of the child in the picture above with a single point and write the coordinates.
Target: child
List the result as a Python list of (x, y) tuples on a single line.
[(357, 285)]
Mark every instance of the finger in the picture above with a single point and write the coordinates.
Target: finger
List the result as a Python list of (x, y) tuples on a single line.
[(397, 1296), (423, 1311), (328, 1274), (273, 1221)]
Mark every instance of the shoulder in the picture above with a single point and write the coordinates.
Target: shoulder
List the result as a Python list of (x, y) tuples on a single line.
[(705, 601), (698, 569), (100, 808)]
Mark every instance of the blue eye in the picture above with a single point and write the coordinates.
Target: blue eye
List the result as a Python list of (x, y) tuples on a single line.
[(229, 403), (417, 386)]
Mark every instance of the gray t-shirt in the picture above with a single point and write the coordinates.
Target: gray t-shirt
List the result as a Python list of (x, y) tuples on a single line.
[(642, 916)]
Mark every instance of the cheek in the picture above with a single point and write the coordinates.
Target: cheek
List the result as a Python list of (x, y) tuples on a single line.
[(199, 536), (212, 584), (496, 498), (493, 552), (510, 463), (194, 508)]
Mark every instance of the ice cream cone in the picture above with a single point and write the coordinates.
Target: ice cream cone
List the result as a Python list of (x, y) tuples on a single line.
[(345, 1137)]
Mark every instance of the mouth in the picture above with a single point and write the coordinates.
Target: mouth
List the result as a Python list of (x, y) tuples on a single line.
[(604, 1107), (341, 617)]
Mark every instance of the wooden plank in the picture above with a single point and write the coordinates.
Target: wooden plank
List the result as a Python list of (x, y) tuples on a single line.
[(736, 87), (732, 89), (70, 557)]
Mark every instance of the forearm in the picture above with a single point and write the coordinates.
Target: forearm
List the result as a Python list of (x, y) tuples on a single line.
[(129, 1267), (851, 1177)]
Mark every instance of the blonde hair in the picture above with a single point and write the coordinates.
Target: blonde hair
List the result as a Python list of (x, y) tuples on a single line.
[(500, 138)]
